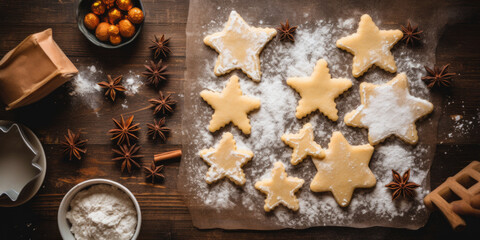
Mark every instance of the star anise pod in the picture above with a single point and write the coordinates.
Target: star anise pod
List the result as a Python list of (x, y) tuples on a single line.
[(286, 32), (153, 172), (410, 34), (438, 76), (124, 130), (401, 186), (162, 104), (160, 46), (155, 72), (73, 146), (158, 129), (127, 155), (112, 86)]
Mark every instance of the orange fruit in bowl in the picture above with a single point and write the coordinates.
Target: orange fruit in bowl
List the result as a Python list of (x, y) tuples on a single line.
[(126, 28), (91, 21), (124, 5), (98, 7), (102, 31), (114, 15), (135, 15), (113, 30), (115, 39)]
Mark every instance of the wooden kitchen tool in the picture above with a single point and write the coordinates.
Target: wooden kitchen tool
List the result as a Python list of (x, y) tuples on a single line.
[(461, 187)]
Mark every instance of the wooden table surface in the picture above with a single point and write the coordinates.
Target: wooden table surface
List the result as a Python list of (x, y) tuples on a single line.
[(164, 213)]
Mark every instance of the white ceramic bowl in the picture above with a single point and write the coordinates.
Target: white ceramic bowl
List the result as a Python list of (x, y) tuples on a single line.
[(64, 225)]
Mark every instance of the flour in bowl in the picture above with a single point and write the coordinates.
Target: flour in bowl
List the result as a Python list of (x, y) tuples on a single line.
[(102, 212)]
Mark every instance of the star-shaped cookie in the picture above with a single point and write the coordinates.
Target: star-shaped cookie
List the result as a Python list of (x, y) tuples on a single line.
[(280, 189), (344, 168), (226, 161), (319, 91), (239, 46), (303, 144), (388, 109), (230, 106), (371, 46)]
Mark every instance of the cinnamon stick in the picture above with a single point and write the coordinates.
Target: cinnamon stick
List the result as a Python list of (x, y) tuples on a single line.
[(167, 155)]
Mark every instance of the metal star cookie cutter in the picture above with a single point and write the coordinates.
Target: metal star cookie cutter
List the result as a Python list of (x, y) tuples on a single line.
[(18, 161)]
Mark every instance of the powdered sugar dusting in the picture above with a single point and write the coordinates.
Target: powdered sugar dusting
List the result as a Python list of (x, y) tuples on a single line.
[(132, 83), (389, 110), (85, 87), (386, 113), (276, 116)]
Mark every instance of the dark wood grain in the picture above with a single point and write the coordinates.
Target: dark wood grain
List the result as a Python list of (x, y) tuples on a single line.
[(165, 215)]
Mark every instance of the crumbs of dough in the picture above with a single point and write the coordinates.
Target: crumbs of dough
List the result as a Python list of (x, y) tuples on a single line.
[(85, 89)]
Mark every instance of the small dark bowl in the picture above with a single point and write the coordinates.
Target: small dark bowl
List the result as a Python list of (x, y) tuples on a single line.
[(84, 8)]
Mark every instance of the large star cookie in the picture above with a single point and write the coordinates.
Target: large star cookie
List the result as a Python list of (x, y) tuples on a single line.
[(388, 109), (239, 46), (280, 189), (226, 161), (370, 46), (344, 168), (303, 144), (319, 91), (230, 106)]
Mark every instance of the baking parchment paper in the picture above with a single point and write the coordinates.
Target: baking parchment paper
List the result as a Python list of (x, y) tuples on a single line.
[(321, 23)]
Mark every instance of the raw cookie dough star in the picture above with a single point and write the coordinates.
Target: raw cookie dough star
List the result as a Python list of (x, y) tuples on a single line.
[(280, 189), (239, 46), (303, 144), (388, 109), (370, 46), (226, 161), (344, 168), (230, 106), (319, 91)]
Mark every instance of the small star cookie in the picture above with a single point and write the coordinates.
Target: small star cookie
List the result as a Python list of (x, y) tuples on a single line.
[(319, 91), (388, 109), (239, 46), (230, 106), (371, 46), (226, 161), (344, 168), (280, 189), (303, 144)]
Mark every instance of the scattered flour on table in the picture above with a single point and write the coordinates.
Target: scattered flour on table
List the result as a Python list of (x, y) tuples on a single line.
[(102, 212), (86, 81), (87, 90), (132, 83), (124, 104), (85, 87), (461, 125), (276, 116)]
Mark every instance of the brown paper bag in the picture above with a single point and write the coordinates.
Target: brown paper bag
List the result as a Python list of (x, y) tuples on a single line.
[(32, 70)]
